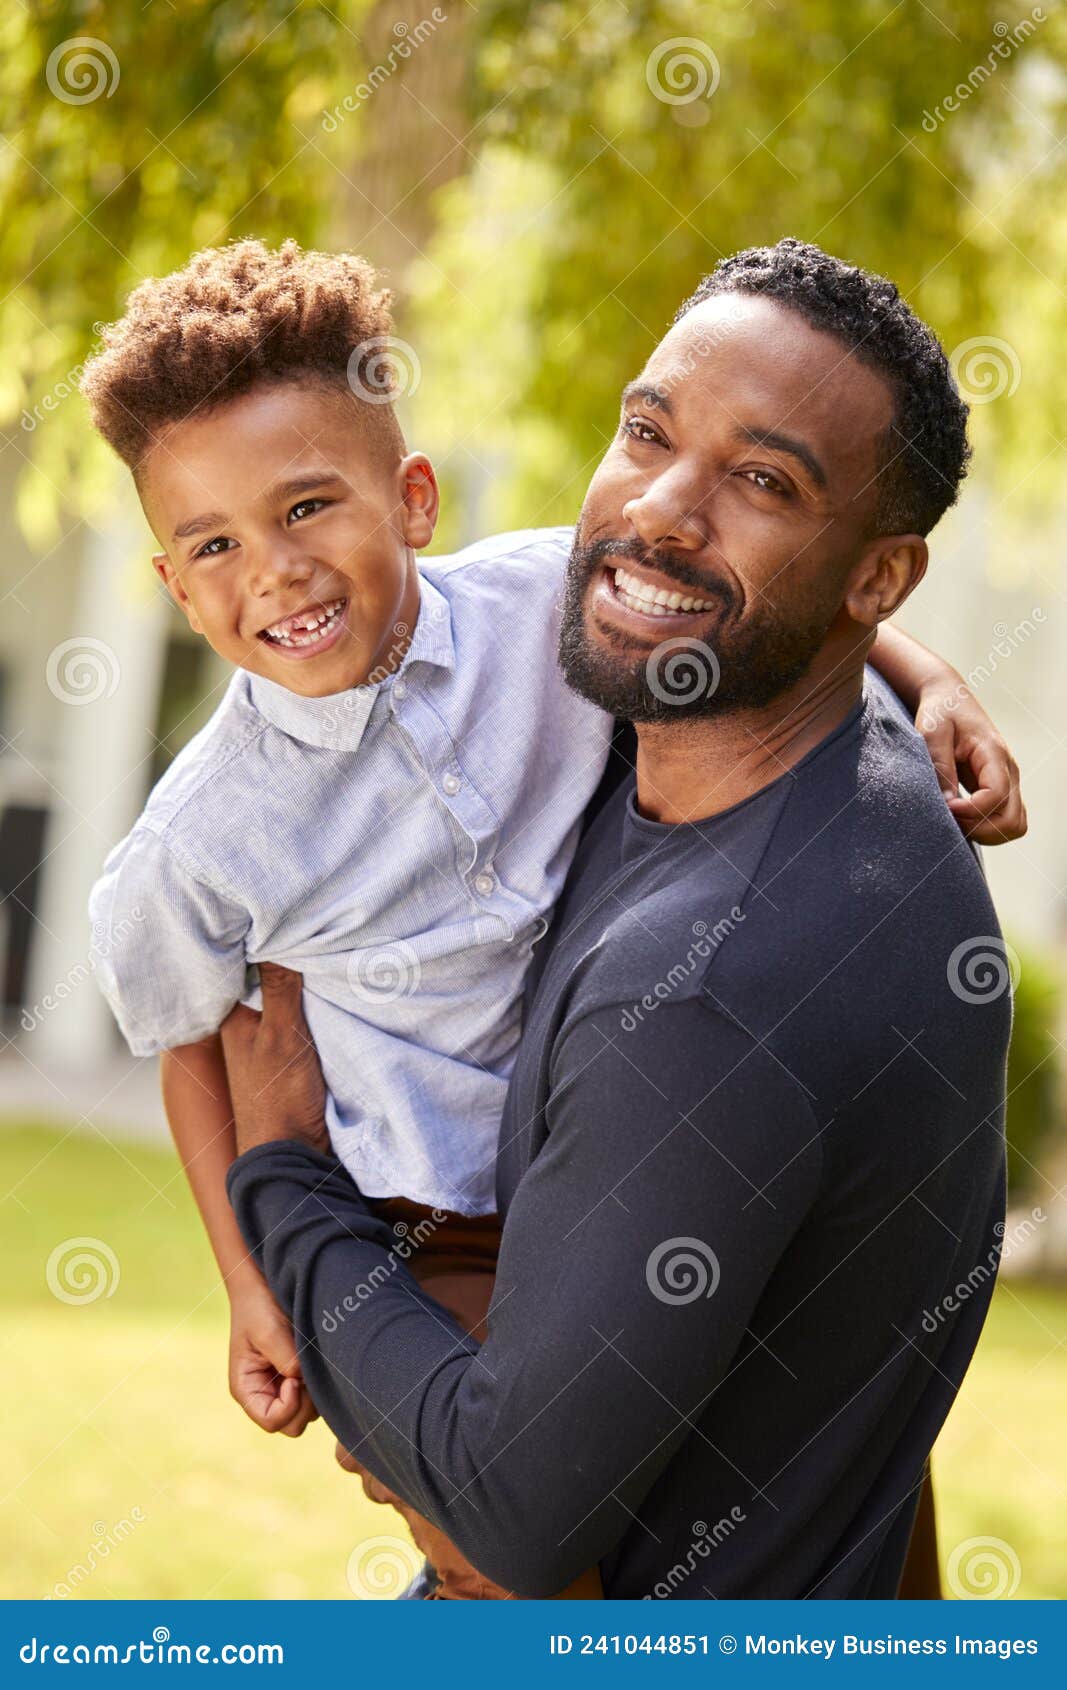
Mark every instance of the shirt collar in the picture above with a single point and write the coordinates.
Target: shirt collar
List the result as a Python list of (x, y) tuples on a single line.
[(339, 721)]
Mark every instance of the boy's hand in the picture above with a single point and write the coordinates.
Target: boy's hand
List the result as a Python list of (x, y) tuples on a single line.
[(967, 750), (265, 1375)]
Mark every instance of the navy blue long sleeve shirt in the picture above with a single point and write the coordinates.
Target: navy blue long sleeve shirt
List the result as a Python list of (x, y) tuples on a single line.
[(751, 1173)]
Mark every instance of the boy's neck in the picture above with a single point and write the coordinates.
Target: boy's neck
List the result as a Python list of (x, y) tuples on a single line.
[(394, 648)]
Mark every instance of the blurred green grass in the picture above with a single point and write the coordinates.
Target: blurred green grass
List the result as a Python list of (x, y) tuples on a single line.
[(121, 1405)]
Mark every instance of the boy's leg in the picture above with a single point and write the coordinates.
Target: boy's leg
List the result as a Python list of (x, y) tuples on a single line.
[(456, 1264)]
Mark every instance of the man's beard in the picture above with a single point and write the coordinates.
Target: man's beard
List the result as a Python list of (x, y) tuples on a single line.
[(742, 666)]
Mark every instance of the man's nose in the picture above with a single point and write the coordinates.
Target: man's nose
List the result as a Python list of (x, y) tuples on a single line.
[(276, 564), (669, 512)]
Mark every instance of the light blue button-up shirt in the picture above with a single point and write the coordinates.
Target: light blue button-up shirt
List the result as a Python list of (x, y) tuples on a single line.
[(401, 845)]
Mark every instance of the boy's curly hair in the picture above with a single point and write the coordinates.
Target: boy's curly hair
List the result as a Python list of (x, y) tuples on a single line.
[(233, 317)]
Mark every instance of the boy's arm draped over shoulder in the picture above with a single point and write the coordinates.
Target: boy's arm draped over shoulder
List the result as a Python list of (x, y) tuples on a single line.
[(964, 743), (629, 1271)]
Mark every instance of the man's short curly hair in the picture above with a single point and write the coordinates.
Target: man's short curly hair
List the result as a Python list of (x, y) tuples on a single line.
[(925, 450), (232, 318)]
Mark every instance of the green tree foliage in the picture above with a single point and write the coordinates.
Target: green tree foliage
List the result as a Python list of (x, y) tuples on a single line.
[(136, 134), (1034, 1075), (596, 204)]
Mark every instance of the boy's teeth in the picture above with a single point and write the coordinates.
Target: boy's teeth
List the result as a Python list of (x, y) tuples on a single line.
[(306, 628), (638, 595)]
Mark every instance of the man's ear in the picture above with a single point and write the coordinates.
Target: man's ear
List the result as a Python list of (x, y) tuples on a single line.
[(169, 576), (888, 571), (420, 500)]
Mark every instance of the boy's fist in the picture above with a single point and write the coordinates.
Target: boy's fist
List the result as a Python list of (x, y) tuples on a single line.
[(265, 1375)]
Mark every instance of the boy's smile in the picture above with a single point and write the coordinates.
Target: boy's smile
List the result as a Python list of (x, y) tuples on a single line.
[(311, 631), (289, 527)]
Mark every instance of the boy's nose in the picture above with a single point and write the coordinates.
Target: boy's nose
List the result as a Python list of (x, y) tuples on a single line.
[(278, 566)]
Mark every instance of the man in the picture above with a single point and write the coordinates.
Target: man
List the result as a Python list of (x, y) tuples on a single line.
[(754, 1133)]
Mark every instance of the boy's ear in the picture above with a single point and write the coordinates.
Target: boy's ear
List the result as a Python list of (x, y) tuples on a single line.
[(168, 575), (421, 500)]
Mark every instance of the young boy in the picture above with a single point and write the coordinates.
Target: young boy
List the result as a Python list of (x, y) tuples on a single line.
[(388, 797)]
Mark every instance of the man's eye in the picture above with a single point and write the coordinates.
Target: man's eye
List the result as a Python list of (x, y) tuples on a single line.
[(763, 479), (219, 540), (307, 505), (638, 429)]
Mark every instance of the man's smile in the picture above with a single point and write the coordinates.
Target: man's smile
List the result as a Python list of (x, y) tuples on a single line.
[(636, 598)]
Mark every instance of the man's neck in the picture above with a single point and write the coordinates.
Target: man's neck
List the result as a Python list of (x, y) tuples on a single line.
[(701, 767)]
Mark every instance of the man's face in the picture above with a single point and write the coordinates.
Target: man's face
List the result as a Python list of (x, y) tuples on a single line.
[(720, 529), (286, 530)]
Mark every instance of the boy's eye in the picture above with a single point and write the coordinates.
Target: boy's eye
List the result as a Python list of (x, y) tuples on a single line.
[(221, 543)]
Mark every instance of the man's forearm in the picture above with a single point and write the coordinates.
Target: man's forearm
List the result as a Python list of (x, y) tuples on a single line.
[(370, 1340), (503, 1447)]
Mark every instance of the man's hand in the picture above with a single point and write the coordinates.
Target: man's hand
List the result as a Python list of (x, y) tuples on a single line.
[(265, 1375), (967, 750), (275, 1079)]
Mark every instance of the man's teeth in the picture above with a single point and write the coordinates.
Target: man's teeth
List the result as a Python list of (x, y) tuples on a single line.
[(655, 601), (307, 628)]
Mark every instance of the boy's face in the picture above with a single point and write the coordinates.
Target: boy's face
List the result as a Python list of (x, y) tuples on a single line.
[(288, 530)]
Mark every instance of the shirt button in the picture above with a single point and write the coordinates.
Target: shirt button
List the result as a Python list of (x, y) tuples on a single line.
[(400, 691), (451, 784), (483, 884)]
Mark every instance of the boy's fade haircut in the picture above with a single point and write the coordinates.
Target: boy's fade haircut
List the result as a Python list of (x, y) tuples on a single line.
[(235, 317)]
